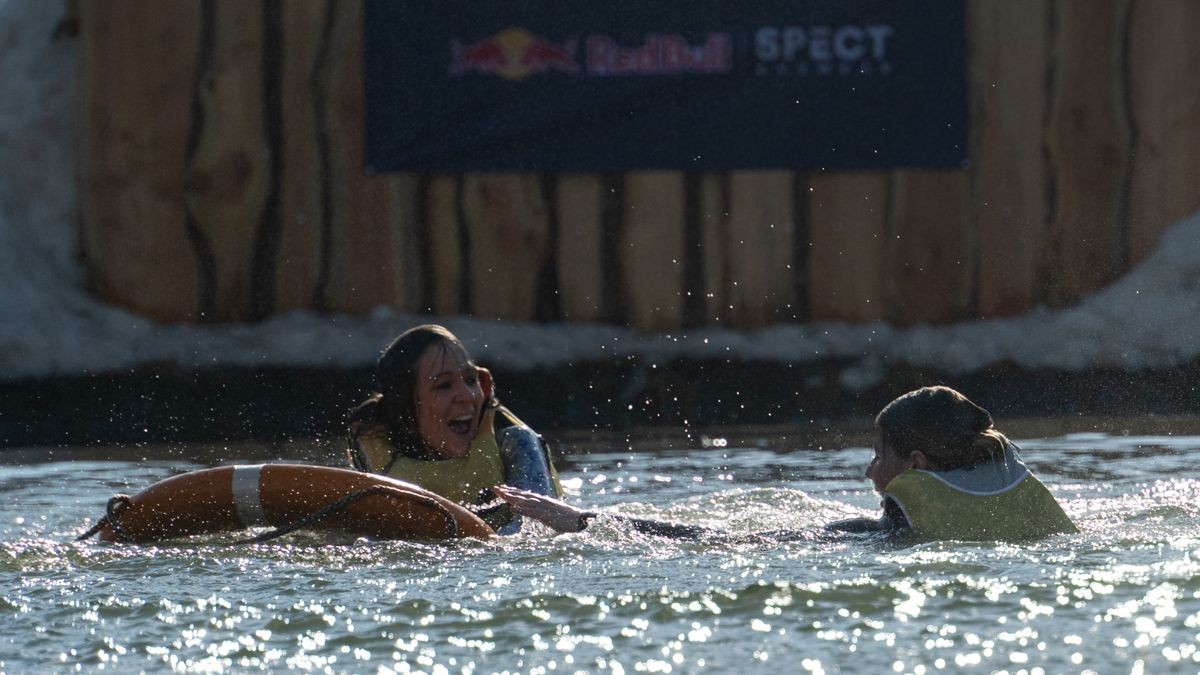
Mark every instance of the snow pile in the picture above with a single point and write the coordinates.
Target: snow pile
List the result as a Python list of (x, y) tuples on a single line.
[(50, 325), (38, 101)]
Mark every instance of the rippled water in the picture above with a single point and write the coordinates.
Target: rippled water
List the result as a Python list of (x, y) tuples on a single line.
[(1121, 596)]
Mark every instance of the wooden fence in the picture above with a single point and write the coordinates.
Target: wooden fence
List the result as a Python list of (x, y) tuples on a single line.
[(222, 181)]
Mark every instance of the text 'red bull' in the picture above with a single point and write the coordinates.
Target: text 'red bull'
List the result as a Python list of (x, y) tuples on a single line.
[(660, 55)]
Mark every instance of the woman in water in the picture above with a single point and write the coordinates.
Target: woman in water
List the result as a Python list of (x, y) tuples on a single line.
[(435, 422), (941, 467)]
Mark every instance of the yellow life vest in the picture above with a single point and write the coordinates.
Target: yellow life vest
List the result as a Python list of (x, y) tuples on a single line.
[(957, 505), (464, 480)]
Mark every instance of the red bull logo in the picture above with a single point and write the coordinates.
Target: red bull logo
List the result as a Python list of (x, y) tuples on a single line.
[(513, 54)]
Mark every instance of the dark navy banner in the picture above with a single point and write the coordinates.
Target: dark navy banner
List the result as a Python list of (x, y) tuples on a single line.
[(569, 85)]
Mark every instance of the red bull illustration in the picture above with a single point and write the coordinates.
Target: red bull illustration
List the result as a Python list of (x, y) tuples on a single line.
[(513, 54)]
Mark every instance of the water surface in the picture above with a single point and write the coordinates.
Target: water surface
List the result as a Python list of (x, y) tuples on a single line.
[(1121, 596)]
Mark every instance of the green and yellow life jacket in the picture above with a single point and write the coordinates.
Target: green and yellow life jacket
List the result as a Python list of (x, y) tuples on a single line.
[(465, 480), (995, 501)]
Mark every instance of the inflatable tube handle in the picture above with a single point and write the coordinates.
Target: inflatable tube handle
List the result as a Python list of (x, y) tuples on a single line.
[(526, 466)]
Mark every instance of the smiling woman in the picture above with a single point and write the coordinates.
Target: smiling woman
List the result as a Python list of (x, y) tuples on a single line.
[(435, 422)]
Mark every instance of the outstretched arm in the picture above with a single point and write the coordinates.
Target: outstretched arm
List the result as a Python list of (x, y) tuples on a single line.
[(562, 517), (557, 514), (892, 520)]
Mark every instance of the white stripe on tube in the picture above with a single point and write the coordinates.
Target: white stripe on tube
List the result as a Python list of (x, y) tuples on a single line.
[(246, 502)]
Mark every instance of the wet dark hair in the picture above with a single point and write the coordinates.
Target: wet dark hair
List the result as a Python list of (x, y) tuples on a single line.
[(949, 428), (395, 404)]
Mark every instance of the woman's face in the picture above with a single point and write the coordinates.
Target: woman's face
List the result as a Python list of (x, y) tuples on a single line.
[(449, 399), (885, 464)]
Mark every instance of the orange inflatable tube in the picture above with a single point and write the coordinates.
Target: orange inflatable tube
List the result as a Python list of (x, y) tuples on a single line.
[(285, 495)]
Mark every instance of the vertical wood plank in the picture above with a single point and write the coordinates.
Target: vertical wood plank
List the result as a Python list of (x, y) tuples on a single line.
[(445, 244), (1089, 148), (760, 247), (1164, 59), (138, 58), (229, 174), (373, 257), (1009, 177), (69, 24), (848, 218), (303, 200), (652, 250), (579, 248), (714, 236), (928, 262), (509, 232)]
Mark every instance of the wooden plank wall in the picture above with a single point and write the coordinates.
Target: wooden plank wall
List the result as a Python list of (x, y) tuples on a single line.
[(222, 180)]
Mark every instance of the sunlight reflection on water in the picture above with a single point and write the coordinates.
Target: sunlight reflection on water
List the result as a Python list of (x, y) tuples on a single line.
[(1123, 592)]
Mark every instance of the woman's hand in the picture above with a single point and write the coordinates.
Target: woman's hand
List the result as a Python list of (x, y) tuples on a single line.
[(558, 515)]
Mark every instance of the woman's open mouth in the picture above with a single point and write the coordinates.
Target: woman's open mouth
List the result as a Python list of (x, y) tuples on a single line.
[(461, 425)]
